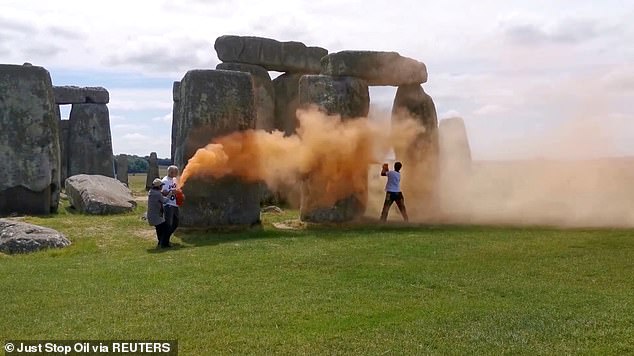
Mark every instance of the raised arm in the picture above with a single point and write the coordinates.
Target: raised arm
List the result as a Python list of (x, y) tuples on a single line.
[(384, 169)]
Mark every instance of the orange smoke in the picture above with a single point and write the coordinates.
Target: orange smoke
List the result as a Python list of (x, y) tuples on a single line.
[(335, 154)]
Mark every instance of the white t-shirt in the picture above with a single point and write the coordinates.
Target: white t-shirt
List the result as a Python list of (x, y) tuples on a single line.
[(168, 184), (393, 184)]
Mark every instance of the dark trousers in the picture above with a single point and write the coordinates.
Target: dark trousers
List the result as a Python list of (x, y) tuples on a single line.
[(171, 217), (163, 234), (391, 197)]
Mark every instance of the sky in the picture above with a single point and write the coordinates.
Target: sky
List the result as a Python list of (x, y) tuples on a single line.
[(529, 78)]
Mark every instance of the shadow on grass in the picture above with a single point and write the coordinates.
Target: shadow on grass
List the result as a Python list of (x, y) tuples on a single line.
[(212, 238)]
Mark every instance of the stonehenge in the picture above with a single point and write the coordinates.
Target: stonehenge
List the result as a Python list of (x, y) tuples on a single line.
[(337, 84), (89, 140)]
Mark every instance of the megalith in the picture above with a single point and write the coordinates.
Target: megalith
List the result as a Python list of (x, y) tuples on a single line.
[(286, 88), (348, 98), (152, 170), (89, 140), (80, 95), (293, 57), (376, 68), (176, 97), (64, 131), (420, 158), (215, 103), (455, 164), (263, 90), (29, 141), (121, 168)]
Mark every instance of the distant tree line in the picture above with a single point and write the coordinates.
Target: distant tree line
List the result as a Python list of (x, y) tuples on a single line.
[(137, 164)]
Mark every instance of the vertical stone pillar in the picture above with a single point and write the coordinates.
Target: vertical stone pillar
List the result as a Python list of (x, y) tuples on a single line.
[(89, 140), (286, 102), (152, 170), (420, 160), (176, 107), (64, 132), (215, 103), (263, 91), (122, 168), (349, 98), (29, 141)]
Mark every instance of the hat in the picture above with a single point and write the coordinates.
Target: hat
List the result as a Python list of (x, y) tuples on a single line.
[(157, 182)]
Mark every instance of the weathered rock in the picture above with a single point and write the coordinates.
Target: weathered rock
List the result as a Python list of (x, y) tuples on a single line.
[(348, 98), (455, 153), (377, 68), (292, 57), (286, 102), (345, 96), (89, 141), (152, 170), (122, 168), (64, 133), (176, 107), (20, 237), (97, 194), (420, 160), (215, 103), (264, 93), (272, 209), (29, 141), (80, 95)]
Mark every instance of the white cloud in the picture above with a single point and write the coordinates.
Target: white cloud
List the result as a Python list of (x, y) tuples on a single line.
[(167, 118)]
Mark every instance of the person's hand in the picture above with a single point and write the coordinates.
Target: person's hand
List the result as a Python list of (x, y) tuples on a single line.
[(386, 166)]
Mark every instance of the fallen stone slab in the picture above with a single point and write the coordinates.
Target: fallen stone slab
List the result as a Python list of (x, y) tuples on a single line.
[(20, 237), (377, 68), (99, 195), (294, 57)]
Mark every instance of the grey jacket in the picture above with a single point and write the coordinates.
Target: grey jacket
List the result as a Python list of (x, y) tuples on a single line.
[(155, 201)]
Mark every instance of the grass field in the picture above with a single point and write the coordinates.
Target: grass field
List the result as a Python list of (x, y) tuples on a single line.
[(377, 289)]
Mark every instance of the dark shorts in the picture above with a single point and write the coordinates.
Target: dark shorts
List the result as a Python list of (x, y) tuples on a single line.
[(391, 196)]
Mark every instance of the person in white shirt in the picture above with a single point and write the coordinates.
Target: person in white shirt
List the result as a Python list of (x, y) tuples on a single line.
[(170, 184), (393, 191)]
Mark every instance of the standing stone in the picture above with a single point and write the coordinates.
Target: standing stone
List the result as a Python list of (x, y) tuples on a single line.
[(29, 141), (122, 168), (176, 107), (215, 103), (420, 160), (376, 68), (264, 93), (455, 164), (152, 170), (286, 102), (455, 153), (349, 98), (89, 141), (271, 54), (64, 132)]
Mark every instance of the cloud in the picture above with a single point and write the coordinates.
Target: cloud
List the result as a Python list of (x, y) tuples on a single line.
[(167, 118), (489, 110), (620, 79), (66, 33), (9, 24), (163, 54), (565, 31), (140, 99)]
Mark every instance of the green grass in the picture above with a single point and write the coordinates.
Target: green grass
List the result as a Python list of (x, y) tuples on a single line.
[(324, 290)]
